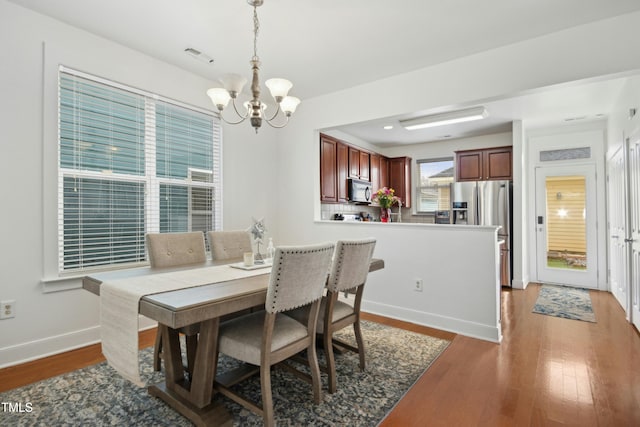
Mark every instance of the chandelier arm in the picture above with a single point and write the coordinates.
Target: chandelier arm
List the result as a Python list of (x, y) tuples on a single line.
[(232, 123), (275, 114), (235, 107), (278, 126)]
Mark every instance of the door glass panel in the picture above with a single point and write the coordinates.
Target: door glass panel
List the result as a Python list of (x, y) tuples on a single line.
[(566, 222)]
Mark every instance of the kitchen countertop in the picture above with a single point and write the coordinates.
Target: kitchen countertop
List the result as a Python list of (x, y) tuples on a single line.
[(457, 227)]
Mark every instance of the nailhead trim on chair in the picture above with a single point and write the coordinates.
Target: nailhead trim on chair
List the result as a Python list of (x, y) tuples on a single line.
[(279, 271)]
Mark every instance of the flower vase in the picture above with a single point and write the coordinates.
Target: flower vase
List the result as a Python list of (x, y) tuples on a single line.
[(385, 214)]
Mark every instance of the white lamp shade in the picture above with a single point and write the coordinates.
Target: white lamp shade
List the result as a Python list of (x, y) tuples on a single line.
[(289, 104), (279, 88), (233, 82), (219, 96)]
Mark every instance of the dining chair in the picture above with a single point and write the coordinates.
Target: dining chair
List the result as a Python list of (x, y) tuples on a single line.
[(229, 244), (175, 250), (349, 272), (266, 338)]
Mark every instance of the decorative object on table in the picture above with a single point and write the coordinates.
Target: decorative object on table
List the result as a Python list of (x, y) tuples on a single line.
[(257, 230), (97, 395), (271, 251), (254, 109), (386, 198), (565, 302)]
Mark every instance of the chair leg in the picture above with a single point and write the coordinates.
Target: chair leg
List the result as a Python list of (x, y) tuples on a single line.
[(316, 381), (360, 341), (331, 362), (267, 399), (157, 349)]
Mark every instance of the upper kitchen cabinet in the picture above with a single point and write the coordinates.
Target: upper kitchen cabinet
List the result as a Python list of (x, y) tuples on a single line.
[(384, 173), (333, 170), (358, 164), (400, 178), (484, 165), (374, 170)]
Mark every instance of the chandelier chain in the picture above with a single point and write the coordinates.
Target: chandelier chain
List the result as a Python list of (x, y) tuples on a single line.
[(256, 28)]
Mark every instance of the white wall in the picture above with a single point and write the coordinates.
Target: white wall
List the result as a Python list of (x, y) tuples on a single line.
[(32, 47)]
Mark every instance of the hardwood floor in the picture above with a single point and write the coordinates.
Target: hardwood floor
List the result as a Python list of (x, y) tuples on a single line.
[(547, 371)]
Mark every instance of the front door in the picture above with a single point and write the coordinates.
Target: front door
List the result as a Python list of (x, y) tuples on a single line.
[(566, 225)]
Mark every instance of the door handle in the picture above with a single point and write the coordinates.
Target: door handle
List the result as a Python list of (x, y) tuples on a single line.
[(629, 240), (615, 236)]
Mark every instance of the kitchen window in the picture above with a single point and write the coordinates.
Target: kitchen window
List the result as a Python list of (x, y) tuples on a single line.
[(434, 190), (130, 163)]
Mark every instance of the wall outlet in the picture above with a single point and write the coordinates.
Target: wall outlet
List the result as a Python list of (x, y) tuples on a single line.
[(417, 285), (7, 309)]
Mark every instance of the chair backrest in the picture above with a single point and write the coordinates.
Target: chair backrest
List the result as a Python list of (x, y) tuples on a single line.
[(298, 276), (175, 249), (229, 244), (350, 264)]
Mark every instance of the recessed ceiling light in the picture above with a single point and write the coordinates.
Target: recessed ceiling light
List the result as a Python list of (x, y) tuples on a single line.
[(388, 127)]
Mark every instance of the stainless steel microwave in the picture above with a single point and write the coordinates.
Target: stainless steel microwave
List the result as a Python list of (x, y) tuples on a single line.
[(359, 191)]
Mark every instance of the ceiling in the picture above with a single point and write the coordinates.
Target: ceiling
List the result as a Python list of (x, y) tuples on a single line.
[(329, 45)]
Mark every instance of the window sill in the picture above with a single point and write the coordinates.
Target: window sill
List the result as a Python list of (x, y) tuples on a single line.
[(71, 281), (59, 284)]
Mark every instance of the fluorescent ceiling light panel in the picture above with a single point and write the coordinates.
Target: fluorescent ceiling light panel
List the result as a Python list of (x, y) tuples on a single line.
[(448, 118)]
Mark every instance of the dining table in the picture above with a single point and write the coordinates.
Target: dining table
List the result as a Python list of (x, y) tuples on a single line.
[(199, 308)]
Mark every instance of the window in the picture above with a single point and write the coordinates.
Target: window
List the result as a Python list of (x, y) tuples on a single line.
[(130, 163), (436, 176)]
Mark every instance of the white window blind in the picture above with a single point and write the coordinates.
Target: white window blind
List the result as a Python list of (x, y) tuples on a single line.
[(130, 163)]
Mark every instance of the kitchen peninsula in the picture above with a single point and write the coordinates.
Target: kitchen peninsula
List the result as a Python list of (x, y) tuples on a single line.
[(442, 276)]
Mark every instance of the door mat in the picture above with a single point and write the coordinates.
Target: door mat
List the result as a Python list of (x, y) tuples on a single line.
[(565, 302)]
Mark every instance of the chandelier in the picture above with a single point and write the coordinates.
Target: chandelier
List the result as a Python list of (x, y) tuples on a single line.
[(254, 110)]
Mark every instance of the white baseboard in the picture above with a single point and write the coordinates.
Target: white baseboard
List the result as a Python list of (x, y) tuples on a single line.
[(458, 326), (37, 349)]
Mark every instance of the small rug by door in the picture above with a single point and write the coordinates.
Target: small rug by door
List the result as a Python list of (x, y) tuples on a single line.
[(565, 302), (98, 396)]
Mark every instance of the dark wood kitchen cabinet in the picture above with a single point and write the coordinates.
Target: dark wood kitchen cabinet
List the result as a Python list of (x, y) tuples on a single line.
[(374, 171), (334, 162), (484, 165), (342, 160), (358, 164), (400, 178), (384, 172)]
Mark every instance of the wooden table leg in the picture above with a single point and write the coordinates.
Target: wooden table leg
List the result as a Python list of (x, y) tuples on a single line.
[(192, 398)]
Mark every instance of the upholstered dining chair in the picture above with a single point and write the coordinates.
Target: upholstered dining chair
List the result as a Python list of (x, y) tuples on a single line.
[(349, 272), (265, 338), (175, 250), (229, 244)]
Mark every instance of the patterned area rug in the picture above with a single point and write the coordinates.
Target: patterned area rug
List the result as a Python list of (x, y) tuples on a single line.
[(98, 396), (565, 302)]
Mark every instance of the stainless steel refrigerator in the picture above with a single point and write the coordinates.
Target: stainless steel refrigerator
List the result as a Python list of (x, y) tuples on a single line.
[(487, 203)]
